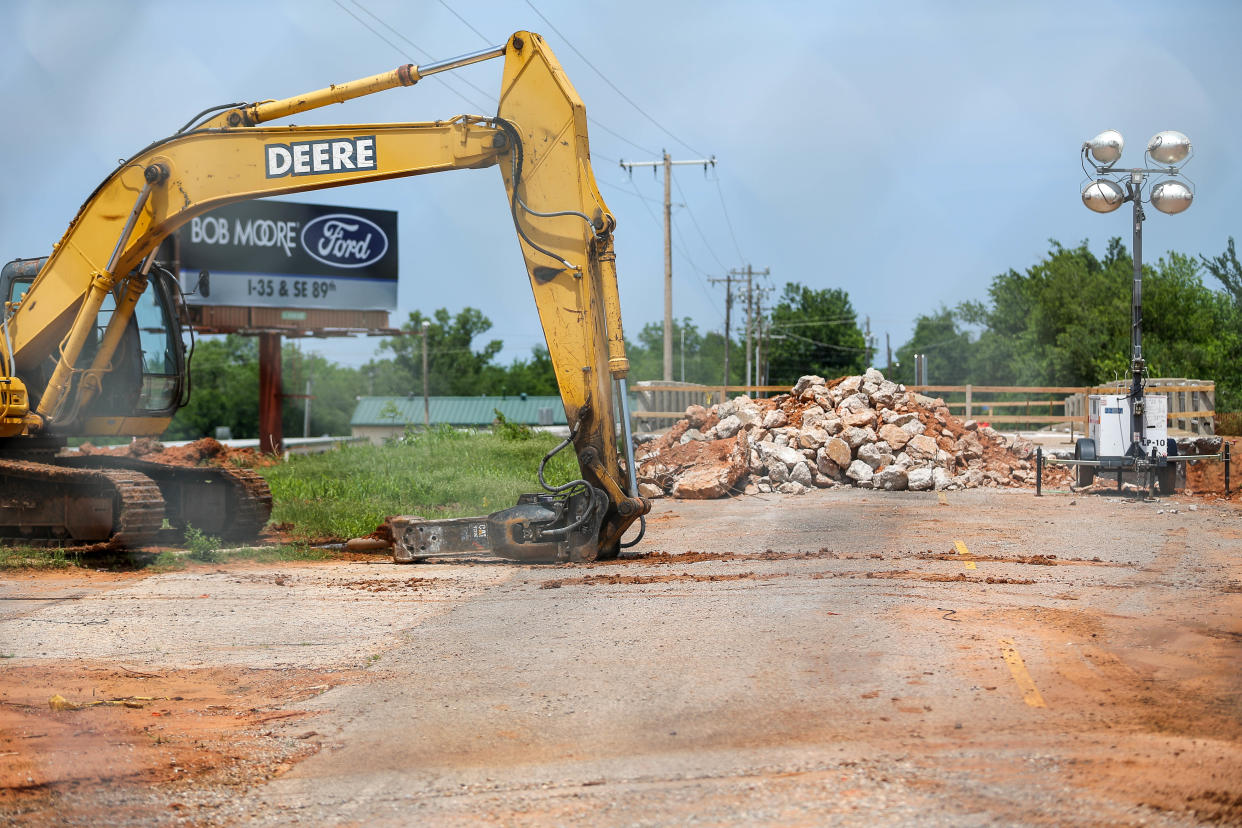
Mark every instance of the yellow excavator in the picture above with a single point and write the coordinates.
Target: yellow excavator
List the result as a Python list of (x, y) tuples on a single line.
[(92, 334)]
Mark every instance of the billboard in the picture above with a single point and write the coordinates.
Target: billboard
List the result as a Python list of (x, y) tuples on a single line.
[(286, 255)]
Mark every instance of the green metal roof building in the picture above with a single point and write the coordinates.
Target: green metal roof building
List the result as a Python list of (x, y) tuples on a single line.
[(379, 418)]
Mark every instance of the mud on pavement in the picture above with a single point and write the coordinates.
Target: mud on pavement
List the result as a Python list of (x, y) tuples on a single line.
[(173, 684), (850, 656)]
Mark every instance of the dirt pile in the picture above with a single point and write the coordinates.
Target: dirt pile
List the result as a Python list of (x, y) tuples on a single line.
[(203, 452), (1208, 477), (863, 431)]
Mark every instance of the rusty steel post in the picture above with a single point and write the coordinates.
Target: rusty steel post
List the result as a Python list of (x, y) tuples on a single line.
[(271, 437), (1226, 442), (1039, 468)]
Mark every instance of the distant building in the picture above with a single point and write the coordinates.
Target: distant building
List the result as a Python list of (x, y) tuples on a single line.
[(381, 418)]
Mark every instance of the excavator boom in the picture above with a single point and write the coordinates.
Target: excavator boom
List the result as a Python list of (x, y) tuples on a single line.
[(59, 360)]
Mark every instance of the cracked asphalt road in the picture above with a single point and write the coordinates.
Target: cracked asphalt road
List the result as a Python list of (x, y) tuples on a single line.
[(845, 657)]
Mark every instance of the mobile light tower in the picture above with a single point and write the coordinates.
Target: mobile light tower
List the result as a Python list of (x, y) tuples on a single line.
[(1129, 432)]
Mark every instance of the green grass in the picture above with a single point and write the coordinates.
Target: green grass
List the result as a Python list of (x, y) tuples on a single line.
[(270, 554), (437, 474), (168, 561), (21, 557), (347, 493), (14, 558)]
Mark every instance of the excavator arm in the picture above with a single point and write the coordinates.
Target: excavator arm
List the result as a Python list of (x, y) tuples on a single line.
[(539, 141)]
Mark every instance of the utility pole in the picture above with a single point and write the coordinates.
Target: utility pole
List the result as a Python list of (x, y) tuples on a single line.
[(888, 347), (867, 342), (728, 310), (759, 342), (426, 398), (749, 273), (750, 322), (668, 164), (728, 280), (306, 410)]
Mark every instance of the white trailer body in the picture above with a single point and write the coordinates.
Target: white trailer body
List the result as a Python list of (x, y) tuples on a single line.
[(1109, 423)]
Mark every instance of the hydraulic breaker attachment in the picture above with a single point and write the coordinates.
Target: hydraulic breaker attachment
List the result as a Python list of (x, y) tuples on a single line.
[(540, 528)]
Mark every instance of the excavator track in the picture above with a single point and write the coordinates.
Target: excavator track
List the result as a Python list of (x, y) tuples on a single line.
[(229, 503), (107, 508)]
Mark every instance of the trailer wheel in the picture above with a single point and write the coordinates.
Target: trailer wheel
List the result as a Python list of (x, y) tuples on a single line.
[(1084, 449), (1166, 478)]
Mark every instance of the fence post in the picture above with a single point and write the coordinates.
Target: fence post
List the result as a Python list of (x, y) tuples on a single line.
[(1209, 425), (968, 402)]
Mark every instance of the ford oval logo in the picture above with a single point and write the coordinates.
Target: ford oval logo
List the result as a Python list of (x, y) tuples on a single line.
[(344, 240)]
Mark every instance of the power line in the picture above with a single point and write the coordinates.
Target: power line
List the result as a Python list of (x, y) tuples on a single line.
[(453, 12), (698, 271), (728, 222), (417, 48), (817, 344), (677, 248), (590, 120), (843, 320), (633, 192), (614, 87), (644, 199), (618, 136), (706, 244)]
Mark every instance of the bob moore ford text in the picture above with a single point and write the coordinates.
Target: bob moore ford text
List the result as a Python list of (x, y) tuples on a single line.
[(284, 254)]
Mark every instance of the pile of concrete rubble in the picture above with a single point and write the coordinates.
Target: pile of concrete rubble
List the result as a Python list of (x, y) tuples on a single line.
[(862, 431)]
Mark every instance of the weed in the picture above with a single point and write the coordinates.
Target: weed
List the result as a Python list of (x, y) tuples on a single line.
[(21, 557), (511, 431), (202, 547), (167, 561), (285, 552)]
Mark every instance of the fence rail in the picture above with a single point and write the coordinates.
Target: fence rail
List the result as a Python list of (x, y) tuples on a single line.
[(1191, 402)]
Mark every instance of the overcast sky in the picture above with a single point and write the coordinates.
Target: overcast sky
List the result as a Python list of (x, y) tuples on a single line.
[(906, 152)]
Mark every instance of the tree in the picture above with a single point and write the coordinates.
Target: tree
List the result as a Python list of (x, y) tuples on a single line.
[(1066, 321), (1227, 270), (945, 342), (385, 378), (454, 368), (813, 332), (334, 391), (224, 390), (534, 376), (702, 354)]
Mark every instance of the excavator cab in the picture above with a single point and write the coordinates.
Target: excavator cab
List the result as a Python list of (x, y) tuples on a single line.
[(149, 365), (148, 369)]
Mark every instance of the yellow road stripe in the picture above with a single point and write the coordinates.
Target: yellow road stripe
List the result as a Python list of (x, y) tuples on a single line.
[(944, 501), (1017, 668), (965, 553)]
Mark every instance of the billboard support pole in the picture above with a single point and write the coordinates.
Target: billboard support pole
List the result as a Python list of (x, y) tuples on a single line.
[(271, 437)]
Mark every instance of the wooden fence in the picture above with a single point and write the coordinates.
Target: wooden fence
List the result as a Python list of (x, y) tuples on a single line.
[(1190, 401), (663, 401)]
